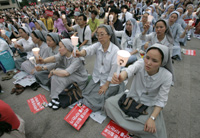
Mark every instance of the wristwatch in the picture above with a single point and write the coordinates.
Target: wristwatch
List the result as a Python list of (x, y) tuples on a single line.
[(153, 118)]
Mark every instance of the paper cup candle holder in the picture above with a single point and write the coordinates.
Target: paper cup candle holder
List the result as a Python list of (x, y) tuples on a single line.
[(190, 22), (122, 58), (32, 60), (111, 18), (74, 40), (36, 52), (14, 40)]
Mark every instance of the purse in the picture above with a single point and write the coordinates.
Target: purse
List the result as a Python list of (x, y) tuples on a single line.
[(131, 108), (70, 95), (7, 62)]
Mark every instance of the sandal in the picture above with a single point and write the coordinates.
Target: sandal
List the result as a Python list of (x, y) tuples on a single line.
[(13, 91), (19, 91)]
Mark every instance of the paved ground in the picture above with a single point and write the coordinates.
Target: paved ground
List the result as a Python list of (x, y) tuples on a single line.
[(181, 113)]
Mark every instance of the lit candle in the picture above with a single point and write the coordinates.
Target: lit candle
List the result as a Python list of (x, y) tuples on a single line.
[(32, 60), (150, 18), (36, 52), (122, 58), (74, 40), (23, 24), (190, 22), (106, 15), (72, 20), (14, 40), (3, 32), (63, 16), (111, 17)]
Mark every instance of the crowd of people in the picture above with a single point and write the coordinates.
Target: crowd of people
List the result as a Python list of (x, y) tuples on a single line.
[(158, 28)]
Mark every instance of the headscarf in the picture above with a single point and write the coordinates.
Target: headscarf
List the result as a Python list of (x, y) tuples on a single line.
[(170, 5), (26, 30), (42, 25), (167, 61), (189, 5), (68, 44), (110, 32), (135, 27), (180, 8), (168, 33), (177, 13), (55, 37), (153, 7), (40, 35)]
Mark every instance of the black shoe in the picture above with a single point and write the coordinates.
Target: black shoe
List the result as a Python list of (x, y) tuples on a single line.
[(35, 86)]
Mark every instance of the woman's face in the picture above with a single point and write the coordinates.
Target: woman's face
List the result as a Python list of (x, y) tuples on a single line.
[(22, 33), (160, 28), (128, 26), (62, 49), (171, 9), (173, 18), (103, 36), (145, 18), (37, 26), (190, 9), (153, 61), (50, 42), (180, 11), (35, 39)]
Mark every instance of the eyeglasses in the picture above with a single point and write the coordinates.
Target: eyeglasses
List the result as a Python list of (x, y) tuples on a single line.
[(100, 35)]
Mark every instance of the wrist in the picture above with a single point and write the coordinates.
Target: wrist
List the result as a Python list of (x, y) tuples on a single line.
[(153, 118)]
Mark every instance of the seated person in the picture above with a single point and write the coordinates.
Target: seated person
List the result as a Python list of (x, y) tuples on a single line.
[(99, 88), (150, 86), (11, 125), (65, 71), (130, 41)]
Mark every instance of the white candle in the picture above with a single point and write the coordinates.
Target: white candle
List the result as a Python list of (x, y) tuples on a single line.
[(3, 32), (74, 40), (14, 40), (190, 22), (63, 16), (23, 25), (106, 15), (32, 60), (72, 20), (122, 58), (36, 52), (111, 17), (150, 18)]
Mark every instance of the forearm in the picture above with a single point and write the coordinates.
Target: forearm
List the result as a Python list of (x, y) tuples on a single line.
[(68, 28), (134, 52), (50, 59), (123, 75), (61, 73), (83, 53), (183, 34), (156, 111)]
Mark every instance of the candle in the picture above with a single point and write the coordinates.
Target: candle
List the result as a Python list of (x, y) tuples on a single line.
[(14, 40), (74, 40), (36, 52), (106, 15), (122, 58), (190, 22), (150, 18), (72, 20), (63, 16), (111, 17), (3, 32), (32, 60), (142, 53), (23, 24)]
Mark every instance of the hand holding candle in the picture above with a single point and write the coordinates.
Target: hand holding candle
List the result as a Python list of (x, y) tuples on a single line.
[(74, 40), (36, 52), (190, 22), (14, 40), (122, 58), (32, 60), (111, 18)]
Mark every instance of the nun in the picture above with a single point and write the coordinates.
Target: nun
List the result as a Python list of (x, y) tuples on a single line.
[(150, 86), (65, 71), (129, 41), (40, 41), (40, 26), (168, 10), (24, 46), (99, 87), (162, 35), (177, 33), (52, 41)]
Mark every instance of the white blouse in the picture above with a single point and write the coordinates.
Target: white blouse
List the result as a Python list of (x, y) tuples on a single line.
[(105, 64), (149, 90)]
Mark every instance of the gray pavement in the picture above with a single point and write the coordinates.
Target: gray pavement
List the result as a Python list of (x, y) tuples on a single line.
[(181, 113)]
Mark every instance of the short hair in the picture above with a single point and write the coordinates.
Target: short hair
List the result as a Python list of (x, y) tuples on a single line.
[(84, 17), (94, 12), (57, 14)]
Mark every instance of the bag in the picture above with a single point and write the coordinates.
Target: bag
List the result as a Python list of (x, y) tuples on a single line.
[(131, 107), (7, 62), (70, 95)]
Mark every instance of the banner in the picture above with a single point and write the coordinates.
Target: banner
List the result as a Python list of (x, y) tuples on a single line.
[(78, 115), (49, 13), (112, 130), (190, 52), (62, 8), (37, 103)]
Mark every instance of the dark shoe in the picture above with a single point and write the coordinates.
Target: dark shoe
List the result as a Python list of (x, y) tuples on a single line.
[(19, 91), (35, 86), (13, 91)]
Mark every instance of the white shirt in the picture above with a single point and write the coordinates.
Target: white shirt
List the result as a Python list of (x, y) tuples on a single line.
[(105, 64), (149, 90), (4, 46)]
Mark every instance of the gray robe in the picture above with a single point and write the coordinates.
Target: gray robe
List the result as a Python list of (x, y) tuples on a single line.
[(75, 67)]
